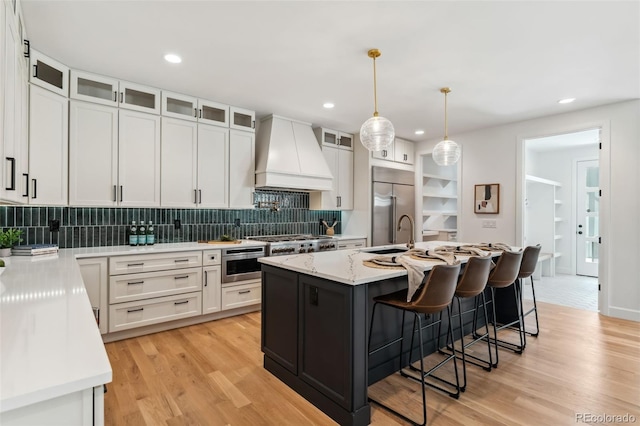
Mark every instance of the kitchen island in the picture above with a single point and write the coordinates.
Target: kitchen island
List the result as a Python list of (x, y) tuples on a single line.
[(316, 311)]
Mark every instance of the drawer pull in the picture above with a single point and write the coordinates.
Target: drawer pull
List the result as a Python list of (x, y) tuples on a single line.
[(134, 310), (129, 265), (213, 257), (136, 282), (244, 292), (182, 277), (181, 303), (181, 260)]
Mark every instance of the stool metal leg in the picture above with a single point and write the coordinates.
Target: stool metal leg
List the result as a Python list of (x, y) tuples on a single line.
[(534, 310)]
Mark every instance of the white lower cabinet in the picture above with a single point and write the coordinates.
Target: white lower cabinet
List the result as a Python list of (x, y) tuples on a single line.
[(129, 287), (211, 289), (95, 276), (84, 407), (135, 263), (124, 316), (238, 295)]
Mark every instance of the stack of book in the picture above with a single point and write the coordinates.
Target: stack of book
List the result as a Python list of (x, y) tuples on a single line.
[(34, 249)]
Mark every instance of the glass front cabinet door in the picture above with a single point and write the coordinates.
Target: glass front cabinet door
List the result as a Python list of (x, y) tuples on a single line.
[(94, 88), (242, 119), (49, 73)]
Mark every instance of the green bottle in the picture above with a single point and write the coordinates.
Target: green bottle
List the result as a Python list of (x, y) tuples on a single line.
[(142, 234), (133, 234), (151, 238)]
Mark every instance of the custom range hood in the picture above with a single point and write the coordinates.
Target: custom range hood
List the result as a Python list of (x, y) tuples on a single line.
[(288, 156)]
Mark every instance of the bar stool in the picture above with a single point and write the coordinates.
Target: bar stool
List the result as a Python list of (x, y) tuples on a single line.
[(472, 283), (504, 275), (527, 267), (434, 296)]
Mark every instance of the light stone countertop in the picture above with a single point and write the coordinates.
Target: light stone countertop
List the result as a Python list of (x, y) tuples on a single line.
[(50, 344), (345, 266)]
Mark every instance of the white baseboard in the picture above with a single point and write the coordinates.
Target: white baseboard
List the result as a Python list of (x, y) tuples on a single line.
[(624, 313)]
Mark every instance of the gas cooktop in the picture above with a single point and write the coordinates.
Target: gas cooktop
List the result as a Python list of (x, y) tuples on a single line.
[(279, 245)]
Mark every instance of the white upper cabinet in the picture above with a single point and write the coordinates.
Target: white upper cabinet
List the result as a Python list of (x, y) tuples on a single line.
[(138, 159), (242, 119), (213, 167), (340, 162), (403, 151), (193, 109), (139, 98), (94, 88), (110, 91), (93, 154), (48, 73), (48, 147), (334, 138), (242, 168), (179, 163), (400, 151)]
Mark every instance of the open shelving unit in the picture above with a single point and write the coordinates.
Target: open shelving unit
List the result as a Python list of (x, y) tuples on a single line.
[(543, 223), (439, 200)]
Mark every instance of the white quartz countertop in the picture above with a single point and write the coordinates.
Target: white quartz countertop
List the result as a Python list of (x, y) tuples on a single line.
[(50, 344), (346, 266)]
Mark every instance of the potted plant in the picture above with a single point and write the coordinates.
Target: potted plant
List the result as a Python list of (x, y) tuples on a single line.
[(8, 239)]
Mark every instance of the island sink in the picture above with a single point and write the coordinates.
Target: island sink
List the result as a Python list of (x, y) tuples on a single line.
[(391, 250)]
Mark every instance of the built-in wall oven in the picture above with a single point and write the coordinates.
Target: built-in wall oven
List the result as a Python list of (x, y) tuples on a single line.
[(241, 264)]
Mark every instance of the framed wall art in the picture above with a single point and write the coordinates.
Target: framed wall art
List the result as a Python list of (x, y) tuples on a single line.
[(486, 198)]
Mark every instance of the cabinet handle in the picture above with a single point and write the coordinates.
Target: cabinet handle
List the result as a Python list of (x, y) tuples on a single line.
[(181, 277), (253, 124), (134, 310), (181, 303), (206, 278), (199, 196), (200, 113), (35, 71), (405, 157), (26, 184), (136, 282), (115, 96), (244, 292), (181, 260), (195, 196), (129, 265), (115, 193), (12, 161), (121, 97), (384, 153), (35, 188), (120, 193), (195, 112)]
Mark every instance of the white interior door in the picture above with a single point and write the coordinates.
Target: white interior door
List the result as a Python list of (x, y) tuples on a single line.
[(587, 211)]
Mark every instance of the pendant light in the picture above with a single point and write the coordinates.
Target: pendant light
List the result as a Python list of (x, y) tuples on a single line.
[(446, 152), (377, 133)]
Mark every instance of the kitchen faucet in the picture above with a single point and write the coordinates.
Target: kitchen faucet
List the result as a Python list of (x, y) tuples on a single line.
[(411, 244)]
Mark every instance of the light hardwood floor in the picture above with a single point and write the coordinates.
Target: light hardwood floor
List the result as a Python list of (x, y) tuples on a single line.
[(212, 374)]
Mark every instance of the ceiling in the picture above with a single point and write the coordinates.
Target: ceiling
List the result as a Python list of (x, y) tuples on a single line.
[(505, 61)]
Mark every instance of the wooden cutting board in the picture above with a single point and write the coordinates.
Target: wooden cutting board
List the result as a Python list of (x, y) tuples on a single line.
[(219, 242)]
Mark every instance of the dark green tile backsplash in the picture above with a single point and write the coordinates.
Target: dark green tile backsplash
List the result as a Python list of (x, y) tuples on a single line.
[(92, 227)]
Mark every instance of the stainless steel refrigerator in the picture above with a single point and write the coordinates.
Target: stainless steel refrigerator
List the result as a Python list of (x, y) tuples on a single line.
[(393, 196)]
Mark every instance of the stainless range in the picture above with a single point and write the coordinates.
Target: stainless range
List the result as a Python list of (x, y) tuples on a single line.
[(280, 245)]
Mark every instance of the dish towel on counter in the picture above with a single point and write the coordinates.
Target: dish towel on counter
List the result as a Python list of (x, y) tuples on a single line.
[(414, 265)]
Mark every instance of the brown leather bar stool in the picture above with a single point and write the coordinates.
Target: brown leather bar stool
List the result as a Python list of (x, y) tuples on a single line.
[(527, 267), (472, 283), (433, 297), (504, 275)]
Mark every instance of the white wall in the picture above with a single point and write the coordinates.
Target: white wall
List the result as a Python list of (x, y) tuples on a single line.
[(494, 155)]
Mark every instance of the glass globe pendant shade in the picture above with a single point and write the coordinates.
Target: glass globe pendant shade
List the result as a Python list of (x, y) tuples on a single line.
[(377, 133), (446, 153)]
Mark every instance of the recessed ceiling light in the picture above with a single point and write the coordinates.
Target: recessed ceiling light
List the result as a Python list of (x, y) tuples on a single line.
[(566, 101), (328, 105), (174, 59), (419, 132)]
